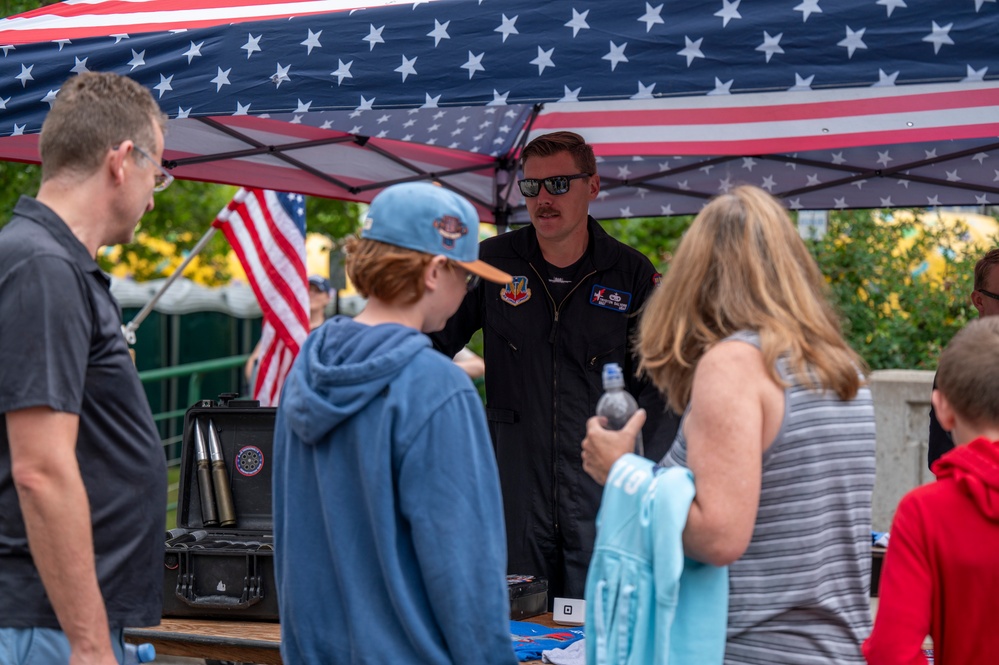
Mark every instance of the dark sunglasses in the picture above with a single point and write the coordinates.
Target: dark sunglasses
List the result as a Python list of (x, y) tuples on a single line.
[(556, 185), (989, 294)]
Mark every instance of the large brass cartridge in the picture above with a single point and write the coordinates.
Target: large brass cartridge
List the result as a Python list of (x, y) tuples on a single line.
[(209, 517), (223, 493)]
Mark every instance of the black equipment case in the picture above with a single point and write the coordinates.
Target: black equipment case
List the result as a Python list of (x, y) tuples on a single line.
[(227, 572), (220, 570)]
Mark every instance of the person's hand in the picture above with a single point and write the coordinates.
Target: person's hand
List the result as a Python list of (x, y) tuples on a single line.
[(602, 447)]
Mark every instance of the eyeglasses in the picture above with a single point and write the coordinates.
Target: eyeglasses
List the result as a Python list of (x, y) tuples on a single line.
[(471, 279), (162, 179), (988, 293), (556, 185)]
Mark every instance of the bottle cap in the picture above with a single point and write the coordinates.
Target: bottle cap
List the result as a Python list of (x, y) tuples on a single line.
[(146, 652), (613, 377)]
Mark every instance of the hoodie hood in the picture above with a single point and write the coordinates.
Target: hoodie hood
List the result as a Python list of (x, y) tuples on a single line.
[(342, 366), (975, 469)]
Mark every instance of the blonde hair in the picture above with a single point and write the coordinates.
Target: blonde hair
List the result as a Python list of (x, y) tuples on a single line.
[(92, 113), (967, 371), (389, 273), (742, 266)]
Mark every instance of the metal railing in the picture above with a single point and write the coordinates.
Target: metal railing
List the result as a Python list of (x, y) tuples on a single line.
[(194, 372)]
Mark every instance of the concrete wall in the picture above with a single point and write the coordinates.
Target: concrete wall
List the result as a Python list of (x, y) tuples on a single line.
[(901, 407)]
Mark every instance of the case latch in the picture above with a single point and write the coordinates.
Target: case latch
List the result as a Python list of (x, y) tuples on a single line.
[(251, 594)]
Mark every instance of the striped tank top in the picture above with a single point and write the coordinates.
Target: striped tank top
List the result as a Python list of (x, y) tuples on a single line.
[(800, 595)]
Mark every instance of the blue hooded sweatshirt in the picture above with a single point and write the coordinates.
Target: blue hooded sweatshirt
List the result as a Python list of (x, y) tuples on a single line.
[(389, 537)]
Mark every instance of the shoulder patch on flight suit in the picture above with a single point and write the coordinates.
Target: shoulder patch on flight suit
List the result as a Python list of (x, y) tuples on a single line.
[(516, 292)]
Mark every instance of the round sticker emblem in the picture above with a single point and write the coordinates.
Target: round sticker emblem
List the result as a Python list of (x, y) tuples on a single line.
[(249, 460)]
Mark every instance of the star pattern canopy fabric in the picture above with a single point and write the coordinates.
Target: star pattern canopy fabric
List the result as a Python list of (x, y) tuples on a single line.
[(852, 103)]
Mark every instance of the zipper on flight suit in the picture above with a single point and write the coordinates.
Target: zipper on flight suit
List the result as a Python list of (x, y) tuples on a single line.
[(551, 340)]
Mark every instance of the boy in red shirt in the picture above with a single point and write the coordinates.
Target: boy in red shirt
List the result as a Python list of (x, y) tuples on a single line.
[(941, 573)]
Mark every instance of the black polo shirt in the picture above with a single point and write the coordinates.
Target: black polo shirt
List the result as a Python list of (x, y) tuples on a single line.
[(61, 346)]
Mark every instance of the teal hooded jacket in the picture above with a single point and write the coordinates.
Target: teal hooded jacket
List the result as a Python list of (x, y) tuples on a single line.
[(646, 603)]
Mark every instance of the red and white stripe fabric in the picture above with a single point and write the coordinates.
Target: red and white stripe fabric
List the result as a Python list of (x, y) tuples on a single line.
[(77, 19), (270, 244), (765, 123)]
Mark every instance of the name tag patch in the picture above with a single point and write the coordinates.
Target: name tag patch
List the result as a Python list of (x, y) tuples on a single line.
[(604, 296)]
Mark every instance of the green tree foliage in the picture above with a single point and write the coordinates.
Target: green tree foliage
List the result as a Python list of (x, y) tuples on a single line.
[(182, 214), (11, 7), (334, 219), (895, 313), (657, 238), (17, 179)]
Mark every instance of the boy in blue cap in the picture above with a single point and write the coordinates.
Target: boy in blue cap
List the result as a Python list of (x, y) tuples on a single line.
[(390, 545)]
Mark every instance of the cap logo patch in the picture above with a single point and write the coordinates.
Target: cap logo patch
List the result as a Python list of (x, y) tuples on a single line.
[(451, 229), (516, 292), (608, 298)]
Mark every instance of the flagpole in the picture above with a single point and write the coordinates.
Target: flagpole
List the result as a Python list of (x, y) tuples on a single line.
[(129, 329)]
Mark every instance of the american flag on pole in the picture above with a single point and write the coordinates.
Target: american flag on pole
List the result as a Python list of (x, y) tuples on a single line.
[(266, 229)]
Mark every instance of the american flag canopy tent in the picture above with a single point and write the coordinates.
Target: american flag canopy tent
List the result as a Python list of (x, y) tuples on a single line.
[(825, 103)]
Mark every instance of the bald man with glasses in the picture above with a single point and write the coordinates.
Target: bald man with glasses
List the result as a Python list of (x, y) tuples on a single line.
[(985, 298), (571, 308)]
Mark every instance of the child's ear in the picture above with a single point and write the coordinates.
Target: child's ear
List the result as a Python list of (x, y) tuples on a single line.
[(434, 272), (944, 411)]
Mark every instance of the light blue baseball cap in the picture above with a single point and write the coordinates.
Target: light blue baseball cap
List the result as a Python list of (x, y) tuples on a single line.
[(430, 219)]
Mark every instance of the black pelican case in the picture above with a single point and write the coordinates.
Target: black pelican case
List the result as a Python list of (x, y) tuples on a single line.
[(227, 572), (215, 571)]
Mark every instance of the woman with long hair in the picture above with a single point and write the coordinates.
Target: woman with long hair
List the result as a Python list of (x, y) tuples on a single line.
[(778, 430)]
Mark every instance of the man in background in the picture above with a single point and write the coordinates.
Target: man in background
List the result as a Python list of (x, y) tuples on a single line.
[(985, 298), (320, 291), (319, 299), (572, 307), (82, 470)]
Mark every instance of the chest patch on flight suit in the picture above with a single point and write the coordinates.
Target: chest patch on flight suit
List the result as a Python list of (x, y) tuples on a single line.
[(604, 296), (516, 292)]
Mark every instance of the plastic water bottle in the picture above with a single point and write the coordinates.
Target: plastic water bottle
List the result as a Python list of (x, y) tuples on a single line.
[(139, 653), (616, 404)]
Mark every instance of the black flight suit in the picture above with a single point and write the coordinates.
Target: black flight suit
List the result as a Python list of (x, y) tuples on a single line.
[(543, 379)]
